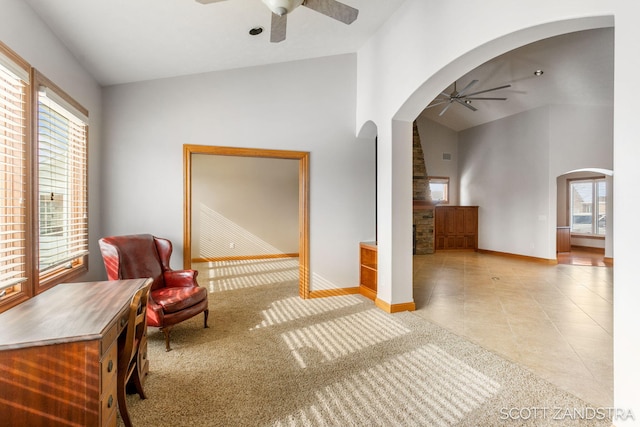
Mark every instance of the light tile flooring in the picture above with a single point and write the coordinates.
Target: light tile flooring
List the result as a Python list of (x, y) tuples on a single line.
[(556, 320)]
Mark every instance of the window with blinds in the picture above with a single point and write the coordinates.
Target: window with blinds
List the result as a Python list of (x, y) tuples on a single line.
[(62, 183), (13, 177), (43, 183)]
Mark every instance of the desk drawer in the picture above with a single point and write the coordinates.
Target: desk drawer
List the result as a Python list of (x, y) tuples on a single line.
[(108, 368), (109, 405)]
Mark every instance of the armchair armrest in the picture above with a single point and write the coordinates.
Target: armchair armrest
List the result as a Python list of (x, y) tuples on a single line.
[(180, 278), (155, 313)]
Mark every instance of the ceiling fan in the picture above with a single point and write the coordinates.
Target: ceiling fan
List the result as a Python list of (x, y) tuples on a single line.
[(281, 8), (463, 97)]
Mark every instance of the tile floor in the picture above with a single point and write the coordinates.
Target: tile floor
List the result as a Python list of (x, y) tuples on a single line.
[(556, 320)]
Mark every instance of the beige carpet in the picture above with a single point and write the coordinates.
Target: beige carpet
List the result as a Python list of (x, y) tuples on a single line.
[(272, 359)]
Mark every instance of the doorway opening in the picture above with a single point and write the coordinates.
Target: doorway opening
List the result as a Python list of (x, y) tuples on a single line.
[(189, 153)]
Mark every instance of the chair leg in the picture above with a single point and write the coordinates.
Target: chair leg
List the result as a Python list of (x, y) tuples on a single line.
[(206, 317), (167, 333), (137, 382), (122, 405)]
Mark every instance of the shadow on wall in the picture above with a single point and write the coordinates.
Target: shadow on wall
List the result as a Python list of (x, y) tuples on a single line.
[(218, 236)]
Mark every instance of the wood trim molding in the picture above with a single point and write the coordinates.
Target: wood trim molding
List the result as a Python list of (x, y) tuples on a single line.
[(368, 293), (245, 257), (517, 256), (395, 308), (303, 198), (324, 293)]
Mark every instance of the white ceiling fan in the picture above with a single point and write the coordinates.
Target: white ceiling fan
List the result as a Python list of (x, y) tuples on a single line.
[(281, 8), (463, 97)]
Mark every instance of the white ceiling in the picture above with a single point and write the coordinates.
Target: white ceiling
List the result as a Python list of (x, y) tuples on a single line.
[(122, 41)]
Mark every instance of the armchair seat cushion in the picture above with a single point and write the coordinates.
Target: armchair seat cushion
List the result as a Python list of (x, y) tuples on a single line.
[(176, 299)]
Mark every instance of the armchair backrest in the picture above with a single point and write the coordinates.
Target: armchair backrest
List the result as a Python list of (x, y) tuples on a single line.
[(135, 256)]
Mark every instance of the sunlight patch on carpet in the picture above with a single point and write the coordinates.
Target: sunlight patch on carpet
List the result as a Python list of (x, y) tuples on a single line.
[(327, 341), (221, 276), (295, 308), (426, 386)]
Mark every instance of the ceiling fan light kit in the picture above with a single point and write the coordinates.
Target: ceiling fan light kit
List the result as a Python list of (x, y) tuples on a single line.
[(282, 7)]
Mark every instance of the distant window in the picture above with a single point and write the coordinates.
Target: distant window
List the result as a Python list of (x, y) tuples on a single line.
[(588, 206), (439, 187)]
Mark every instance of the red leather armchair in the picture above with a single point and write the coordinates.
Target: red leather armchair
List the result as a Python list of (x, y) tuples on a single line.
[(175, 295)]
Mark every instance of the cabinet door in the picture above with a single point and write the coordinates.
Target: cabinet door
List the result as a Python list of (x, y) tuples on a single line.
[(470, 222), (460, 220)]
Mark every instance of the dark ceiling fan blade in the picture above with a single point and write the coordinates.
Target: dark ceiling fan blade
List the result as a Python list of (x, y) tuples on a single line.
[(333, 9), (488, 90), (467, 87), (435, 104), (209, 1), (278, 28), (446, 108), (469, 106), (484, 99)]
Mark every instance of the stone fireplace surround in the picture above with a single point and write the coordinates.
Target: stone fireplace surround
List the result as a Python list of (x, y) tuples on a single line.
[(423, 207)]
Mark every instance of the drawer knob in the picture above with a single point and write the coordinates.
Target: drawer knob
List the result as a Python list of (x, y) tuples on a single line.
[(123, 321), (110, 366), (110, 401)]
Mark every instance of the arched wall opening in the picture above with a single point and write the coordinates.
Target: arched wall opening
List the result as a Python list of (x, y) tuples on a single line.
[(400, 227), (395, 262), (397, 75)]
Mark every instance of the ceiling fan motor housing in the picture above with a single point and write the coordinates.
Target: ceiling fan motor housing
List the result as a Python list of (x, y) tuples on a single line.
[(282, 7)]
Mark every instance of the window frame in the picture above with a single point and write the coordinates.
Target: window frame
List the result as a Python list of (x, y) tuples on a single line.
[(593, 180), (79, 265), (440, 180), (27, 289), (35, 282)]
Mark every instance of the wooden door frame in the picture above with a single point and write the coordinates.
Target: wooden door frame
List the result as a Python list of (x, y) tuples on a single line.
[(303, 198)]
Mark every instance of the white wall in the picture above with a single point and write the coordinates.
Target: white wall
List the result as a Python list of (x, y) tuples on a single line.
[(580, 136), (23, 31), (302, 106), (504, 169), (507, 166), (437, 140), (408, 61), (243, 206)]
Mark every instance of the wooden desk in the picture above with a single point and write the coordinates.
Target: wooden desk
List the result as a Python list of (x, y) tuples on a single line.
[(58, 355)]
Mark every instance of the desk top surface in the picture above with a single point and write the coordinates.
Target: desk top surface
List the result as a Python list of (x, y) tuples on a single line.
[(67, 312)]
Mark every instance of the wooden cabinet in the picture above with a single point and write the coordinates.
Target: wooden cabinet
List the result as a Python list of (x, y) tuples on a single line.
[(563, 239), (59, 355), (369, 269), (456, 227)]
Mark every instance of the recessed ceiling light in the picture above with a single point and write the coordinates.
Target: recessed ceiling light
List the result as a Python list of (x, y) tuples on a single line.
[(538, 72), (256, 30)]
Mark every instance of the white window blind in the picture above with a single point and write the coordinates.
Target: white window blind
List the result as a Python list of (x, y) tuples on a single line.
[(62, 184), (13, 178)]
